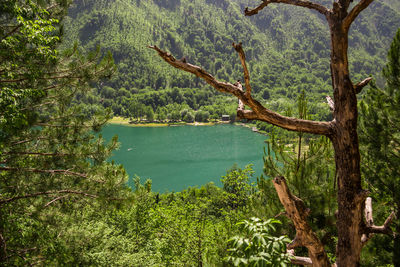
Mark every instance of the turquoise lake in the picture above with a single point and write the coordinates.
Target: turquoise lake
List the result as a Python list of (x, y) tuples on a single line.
[(177, 157)]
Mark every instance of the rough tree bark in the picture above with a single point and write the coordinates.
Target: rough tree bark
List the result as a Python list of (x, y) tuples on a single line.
[(342, 131)]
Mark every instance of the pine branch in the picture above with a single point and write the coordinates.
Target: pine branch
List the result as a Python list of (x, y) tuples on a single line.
[(60, 125), (36, 153), (66, 172), (66, 191)]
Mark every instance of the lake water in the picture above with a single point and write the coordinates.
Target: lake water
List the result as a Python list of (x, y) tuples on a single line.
[(175, 158)]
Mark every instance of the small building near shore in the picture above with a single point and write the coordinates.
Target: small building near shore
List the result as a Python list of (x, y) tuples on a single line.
[(225, 118)]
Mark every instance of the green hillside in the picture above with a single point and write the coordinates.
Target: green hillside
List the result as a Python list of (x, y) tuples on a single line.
[(287, 48)]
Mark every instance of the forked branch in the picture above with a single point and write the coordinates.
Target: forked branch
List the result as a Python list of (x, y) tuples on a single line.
[(258, 111), (302, 3), (371, 228), (363, 4), (297, 212)]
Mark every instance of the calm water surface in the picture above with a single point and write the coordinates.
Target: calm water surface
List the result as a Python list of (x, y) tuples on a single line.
[(181, 156)]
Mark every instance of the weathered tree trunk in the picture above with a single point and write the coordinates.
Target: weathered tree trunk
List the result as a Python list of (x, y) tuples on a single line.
[(347, 156)]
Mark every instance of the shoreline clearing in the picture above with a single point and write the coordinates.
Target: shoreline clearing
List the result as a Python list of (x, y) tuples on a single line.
[(126, 122)]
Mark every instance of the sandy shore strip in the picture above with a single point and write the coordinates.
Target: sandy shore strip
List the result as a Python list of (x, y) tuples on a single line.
[(126, 122)]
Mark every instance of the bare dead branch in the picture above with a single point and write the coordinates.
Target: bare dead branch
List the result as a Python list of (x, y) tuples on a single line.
[(385, 228), (238, 47), (67, 191), (28, 140), (297, 212), (299, 260), (331, 103), (302, 3), (241, 113), (359, 86), (54, 200), (363, 4), (258, 112), (369, 219), (247, 114), (371, 228), (240, 103), (282, 213), (199, 72), (296, 242)]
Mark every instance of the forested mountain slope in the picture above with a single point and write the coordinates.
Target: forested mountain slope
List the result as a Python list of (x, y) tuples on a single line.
[(287, 47)]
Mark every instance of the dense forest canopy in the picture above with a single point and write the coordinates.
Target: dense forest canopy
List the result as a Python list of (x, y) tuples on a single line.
[(287, 48)]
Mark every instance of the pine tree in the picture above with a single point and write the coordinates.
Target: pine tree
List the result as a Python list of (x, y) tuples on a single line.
[(306, 164), (52, 162), (380, 139)]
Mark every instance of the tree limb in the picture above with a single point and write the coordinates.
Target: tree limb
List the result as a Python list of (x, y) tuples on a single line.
[(54, 200), (67, 77), (36, 153), (66, 172), (242, 56), (363, 4), (331, 103), (16, 28), (371, 228), (297, 212), (258, 112), (359, 86), (302, 3), (60, 125), (299, 260), (240, 111), (8, 200)]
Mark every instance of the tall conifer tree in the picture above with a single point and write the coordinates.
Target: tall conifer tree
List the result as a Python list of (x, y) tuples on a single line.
[(380, 139), (51, 161)]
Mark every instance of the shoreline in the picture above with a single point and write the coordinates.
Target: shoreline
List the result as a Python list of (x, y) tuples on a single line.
[(126, 122)]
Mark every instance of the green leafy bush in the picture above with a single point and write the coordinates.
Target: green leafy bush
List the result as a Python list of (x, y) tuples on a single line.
[(258, 247)]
